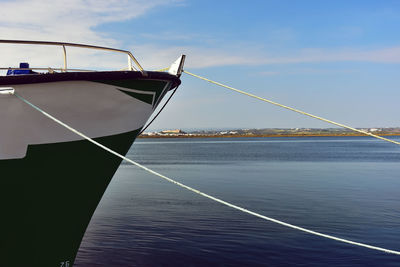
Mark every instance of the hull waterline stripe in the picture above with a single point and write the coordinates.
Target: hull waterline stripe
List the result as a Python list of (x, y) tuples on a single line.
[(204, 194), (292, 109)]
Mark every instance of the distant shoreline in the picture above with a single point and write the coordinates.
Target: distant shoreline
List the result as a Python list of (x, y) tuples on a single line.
[(261, 135)]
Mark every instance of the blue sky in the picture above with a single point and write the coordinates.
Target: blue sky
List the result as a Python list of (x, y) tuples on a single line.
[(337, 59)]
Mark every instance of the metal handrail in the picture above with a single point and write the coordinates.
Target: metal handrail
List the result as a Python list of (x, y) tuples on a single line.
[(130, 56), (49, 69)]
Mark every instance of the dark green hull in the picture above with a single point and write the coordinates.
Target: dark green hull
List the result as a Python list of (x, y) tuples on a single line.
[(48, 198)]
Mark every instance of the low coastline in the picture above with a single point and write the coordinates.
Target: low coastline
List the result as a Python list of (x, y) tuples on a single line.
[(260, 135)]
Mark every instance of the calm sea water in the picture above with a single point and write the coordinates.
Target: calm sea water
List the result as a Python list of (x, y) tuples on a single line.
[(344, 186)]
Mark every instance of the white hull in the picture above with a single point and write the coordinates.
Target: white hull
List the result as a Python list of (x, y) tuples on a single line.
[(96, 109)]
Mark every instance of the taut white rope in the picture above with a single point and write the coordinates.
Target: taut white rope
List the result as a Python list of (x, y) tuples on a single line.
[(204, 194), (292, 109)]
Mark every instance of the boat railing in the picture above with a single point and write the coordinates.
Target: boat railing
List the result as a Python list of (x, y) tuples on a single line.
[(64, 45)]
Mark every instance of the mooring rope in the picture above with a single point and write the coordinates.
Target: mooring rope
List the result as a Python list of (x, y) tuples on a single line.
[(159, 112), (292, 109), (204, 194)]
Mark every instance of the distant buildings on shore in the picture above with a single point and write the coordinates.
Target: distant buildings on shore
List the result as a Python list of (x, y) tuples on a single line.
[(179, 132), (176, 132)]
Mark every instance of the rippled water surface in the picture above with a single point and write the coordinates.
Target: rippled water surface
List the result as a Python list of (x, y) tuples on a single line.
[(343, 186)]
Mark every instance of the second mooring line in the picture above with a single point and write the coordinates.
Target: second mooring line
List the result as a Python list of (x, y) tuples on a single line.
[(292, 109)]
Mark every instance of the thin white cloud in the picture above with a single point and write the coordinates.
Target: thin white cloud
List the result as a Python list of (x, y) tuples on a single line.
[(198, 57), (172, 36), (269, 73), (312, 71), (383, 55)]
